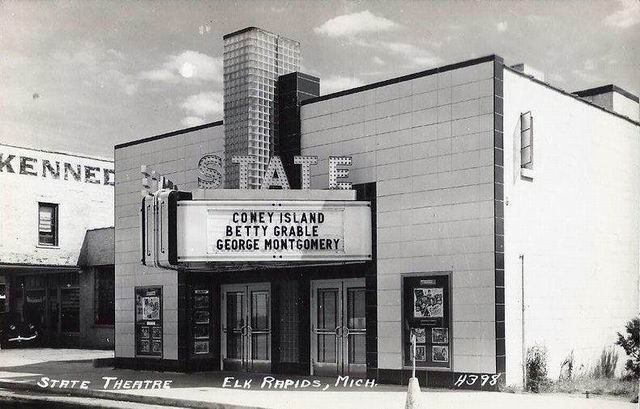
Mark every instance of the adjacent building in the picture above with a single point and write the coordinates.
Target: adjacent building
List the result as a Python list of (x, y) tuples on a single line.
[(504, 215), (56, 245)]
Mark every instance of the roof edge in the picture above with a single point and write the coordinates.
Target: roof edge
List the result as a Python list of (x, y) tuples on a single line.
[(75, 155), (431, 71), (572, 95), (168, 134)]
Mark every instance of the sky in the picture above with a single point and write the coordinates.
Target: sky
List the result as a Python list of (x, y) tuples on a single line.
[(83, 76)]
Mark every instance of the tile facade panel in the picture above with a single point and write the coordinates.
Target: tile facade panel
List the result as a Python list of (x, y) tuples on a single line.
[(433, 167), (177, 158)]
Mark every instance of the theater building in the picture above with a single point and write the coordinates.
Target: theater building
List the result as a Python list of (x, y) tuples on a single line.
[(56, 246), (501, 209)]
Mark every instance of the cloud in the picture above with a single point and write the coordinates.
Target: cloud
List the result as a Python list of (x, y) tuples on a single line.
[(189, 65), (199, 106), (502, 26), (416, 55), (204, 103), (97, 66), (192, 121), (338, 83), (355, 23), (627, 16), (377, 60)]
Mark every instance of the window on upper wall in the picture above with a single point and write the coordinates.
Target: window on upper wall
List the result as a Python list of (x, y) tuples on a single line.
[(526, 140), (47, 224), (104, 295)]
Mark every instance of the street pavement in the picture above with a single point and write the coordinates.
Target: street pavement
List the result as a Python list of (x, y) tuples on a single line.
[(205, 389)]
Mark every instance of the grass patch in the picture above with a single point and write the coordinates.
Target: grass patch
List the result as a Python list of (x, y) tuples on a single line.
[(597, 386)]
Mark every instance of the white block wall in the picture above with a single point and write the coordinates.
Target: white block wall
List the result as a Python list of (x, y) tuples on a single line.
[(175, 157), (576, 222), (428, 144), (81, 206)]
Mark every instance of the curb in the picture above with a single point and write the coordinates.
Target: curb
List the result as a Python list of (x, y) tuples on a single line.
[(123, 397), (103, 362)]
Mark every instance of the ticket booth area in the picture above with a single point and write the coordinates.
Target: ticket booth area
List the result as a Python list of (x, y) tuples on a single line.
[(298, 309)]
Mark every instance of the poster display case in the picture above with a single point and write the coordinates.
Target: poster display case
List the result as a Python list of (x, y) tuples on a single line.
[(149, 321), (201, 321), (426, 315)]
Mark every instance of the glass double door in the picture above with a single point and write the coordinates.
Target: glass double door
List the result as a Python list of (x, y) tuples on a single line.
[(338, 327), (246, 327)]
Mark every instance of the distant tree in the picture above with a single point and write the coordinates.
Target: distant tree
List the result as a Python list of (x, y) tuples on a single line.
[(631, 345)]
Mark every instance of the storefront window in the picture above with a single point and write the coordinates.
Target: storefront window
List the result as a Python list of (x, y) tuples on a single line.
[(427, 318), (104, 295)]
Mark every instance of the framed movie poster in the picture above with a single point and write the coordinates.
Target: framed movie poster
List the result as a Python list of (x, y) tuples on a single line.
[(201, 317), (148, 320), (440, 335), (420, 334), (421, 353), (439, 353), (201, 347), (426, 314), (427, 302)]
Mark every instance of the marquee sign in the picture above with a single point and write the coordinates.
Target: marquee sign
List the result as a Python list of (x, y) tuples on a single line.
[(211, 231), (177, 230)]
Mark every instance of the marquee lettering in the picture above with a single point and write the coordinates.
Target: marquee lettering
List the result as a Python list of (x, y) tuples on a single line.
[(210, 168)]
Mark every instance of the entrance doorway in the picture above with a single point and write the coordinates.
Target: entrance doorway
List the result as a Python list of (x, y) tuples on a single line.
[(246, 327), (338, 327)]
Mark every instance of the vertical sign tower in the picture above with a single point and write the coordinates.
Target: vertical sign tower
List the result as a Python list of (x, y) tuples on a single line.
[(253, 61)]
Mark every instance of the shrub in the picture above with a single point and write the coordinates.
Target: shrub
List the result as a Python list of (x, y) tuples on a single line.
[(537, 369), (631, 345), (606, 366)]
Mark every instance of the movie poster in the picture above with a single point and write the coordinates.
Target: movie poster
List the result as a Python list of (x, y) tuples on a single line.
[(151, 308), (201, 347), (420, 334), (439, 353), (201, 317), (144, 346), (144, 332), (440, 335), (428, 303), (421, 353)]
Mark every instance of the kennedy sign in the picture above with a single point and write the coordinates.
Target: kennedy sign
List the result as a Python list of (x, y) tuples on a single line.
[(209, 231)]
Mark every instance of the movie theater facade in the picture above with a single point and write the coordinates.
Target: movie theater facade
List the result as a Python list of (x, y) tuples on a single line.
[(455, 200)]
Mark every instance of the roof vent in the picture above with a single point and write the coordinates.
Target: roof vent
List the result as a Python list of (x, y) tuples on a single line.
[(530, 71), (614, 99)]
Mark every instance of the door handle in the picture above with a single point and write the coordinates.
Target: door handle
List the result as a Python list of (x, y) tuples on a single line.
[(345, 331), (339, 332)]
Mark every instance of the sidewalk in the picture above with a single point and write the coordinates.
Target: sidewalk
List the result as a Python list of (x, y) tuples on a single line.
[(20, 369)]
